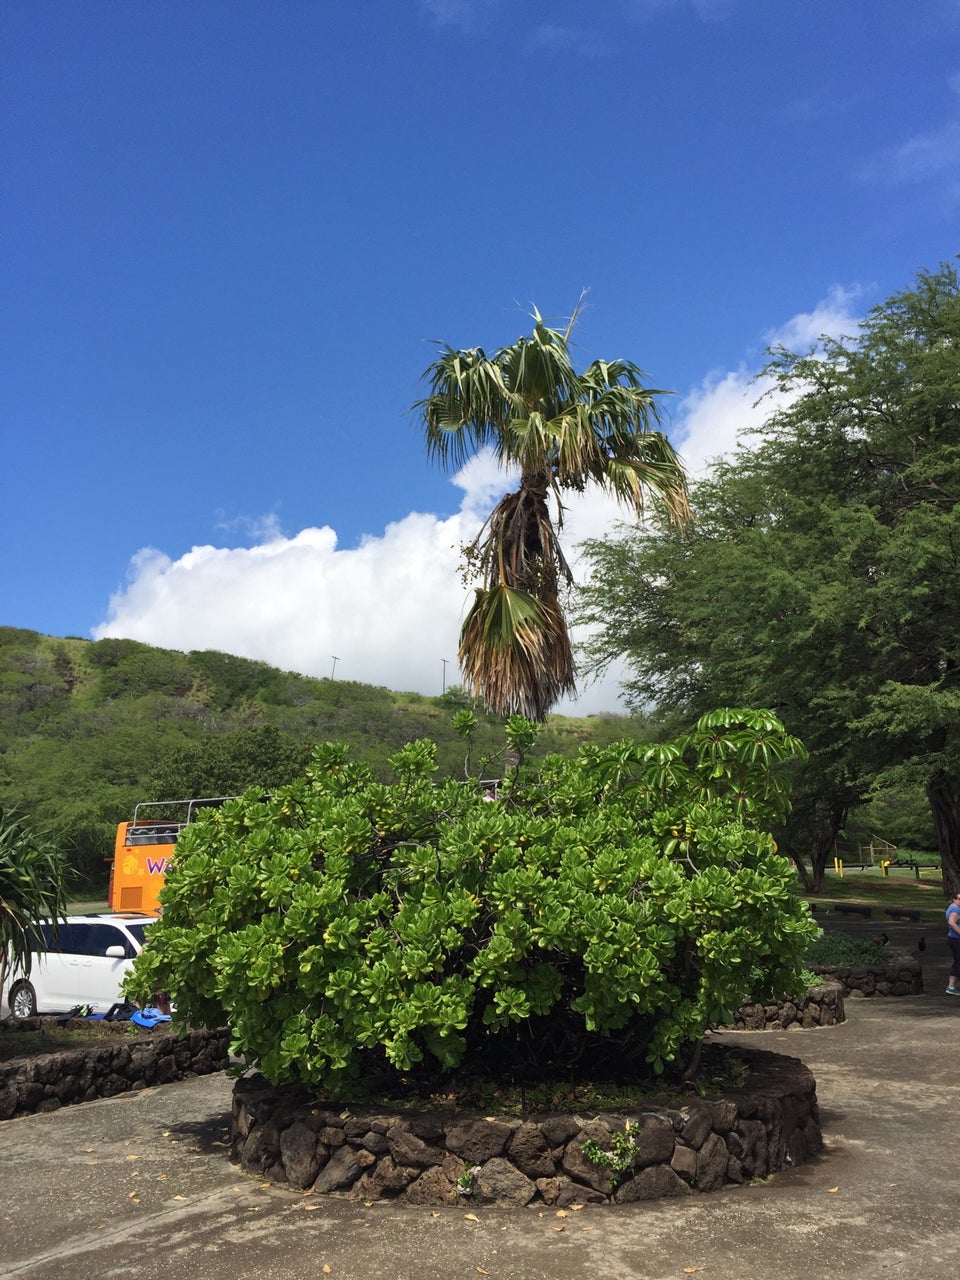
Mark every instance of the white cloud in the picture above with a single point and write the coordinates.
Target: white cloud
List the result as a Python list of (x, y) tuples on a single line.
[(714, 414), (390, 609), (724, 406), (932, 154), (833, 317), (265, 528)]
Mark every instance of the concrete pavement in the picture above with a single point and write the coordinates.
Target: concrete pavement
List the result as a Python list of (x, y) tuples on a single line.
[(140, 1186)]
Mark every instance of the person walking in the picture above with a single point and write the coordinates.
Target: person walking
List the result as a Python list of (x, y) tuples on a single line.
[(953, 942)]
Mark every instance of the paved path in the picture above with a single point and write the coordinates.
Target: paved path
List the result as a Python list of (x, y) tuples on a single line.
[(140, 1186)]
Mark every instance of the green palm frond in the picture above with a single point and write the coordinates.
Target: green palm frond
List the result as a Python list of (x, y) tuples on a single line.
[(530, 406)]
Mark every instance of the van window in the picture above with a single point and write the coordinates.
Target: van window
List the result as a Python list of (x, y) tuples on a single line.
[(98, 937), (70, 939), (87, 939)]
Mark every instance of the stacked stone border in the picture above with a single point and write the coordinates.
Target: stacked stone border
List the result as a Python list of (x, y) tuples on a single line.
[(56, 1080), (451, 1157), (822, 1007), (902, 976)]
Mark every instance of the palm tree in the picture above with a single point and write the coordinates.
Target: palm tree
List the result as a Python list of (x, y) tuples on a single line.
[(561, 430)]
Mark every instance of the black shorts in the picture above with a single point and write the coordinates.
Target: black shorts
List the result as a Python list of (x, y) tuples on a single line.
[(954, 945)]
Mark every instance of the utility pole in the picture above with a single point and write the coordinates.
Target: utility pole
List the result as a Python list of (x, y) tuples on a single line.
[(444, 689), (333, 673)]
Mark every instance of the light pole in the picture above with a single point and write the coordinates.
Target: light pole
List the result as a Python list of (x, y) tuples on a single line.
[(333, 673), (444, 689)]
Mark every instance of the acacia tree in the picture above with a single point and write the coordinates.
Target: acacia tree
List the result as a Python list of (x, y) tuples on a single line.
[(561, 430), (723, 613), (822, 574)]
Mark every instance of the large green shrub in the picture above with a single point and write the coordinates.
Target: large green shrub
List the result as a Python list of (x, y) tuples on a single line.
[(596, 917)]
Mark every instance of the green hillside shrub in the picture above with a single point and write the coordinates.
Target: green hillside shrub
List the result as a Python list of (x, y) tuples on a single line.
[(592, 920), (834, 947), (129, 669)]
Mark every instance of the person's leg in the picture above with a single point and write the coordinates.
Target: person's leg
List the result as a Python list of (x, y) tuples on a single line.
[(953, 988)]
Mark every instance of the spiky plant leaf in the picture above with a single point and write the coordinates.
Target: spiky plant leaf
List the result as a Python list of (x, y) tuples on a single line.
[(32, 877)]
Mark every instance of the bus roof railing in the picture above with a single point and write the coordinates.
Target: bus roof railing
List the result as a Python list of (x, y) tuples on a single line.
[(141, 816)]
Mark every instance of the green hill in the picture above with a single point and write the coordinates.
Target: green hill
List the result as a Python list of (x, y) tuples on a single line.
[(90, 728)]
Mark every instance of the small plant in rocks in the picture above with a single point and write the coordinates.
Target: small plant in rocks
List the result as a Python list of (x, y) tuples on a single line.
[(619, 1159), (467, 1182)]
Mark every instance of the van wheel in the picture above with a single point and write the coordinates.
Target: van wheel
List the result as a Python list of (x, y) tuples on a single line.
[(23, 1000)]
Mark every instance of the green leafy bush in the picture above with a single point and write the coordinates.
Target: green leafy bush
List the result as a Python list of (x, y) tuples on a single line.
[(596, 918), (833, 947)]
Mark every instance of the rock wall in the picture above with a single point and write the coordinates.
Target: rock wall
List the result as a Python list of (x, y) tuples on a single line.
[(822, 1007), (902, 976), (441, 1157), (80, 1075)]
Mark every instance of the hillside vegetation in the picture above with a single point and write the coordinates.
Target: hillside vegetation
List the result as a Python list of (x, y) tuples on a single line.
[(90, 728)]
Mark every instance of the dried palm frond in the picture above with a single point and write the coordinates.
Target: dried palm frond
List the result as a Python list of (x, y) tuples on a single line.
[(515, 652)]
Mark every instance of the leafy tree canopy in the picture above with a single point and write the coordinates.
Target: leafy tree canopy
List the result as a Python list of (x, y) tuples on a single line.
[(821, 573)]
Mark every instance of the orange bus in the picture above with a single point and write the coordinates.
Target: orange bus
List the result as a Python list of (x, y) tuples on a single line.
[(144, 849)]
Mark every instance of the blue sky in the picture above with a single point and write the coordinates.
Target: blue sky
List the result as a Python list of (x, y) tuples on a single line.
[(230, 231)]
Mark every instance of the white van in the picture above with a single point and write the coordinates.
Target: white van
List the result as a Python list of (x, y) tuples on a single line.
[(83, 962)]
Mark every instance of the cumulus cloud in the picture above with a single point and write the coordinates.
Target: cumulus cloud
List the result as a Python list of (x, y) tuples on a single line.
[(390, 609)]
